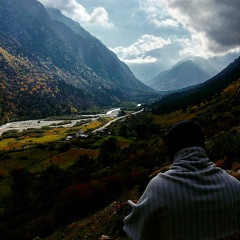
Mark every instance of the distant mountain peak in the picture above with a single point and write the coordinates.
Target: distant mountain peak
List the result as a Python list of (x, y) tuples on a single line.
[(187, 72)]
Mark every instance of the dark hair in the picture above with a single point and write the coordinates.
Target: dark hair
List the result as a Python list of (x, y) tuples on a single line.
[(182, 135)]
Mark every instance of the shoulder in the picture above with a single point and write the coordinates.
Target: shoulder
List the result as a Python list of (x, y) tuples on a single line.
[(159, 183)]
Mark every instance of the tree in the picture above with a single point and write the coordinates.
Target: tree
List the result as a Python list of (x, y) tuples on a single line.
[(51, 182), (123, 130), (64, 147), (141, 130), (21, 187), (108, 151)]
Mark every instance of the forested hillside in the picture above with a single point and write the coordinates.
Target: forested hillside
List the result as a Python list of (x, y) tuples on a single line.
[(46, 68)]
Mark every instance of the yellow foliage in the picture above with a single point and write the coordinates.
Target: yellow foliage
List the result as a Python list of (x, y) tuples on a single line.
[(92, 125), (194, 108)]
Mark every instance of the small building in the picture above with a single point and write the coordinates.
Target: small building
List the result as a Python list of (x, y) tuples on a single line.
[(80, 134), (68, 138)]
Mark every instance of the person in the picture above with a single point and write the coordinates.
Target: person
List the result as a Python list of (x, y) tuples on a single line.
[(193, 200)]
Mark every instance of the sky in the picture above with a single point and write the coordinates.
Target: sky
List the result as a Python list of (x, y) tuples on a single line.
[(158, 32)]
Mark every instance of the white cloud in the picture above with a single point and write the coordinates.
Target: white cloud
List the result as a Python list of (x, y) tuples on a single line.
[(74, 10), (141, 60), (193, 46), (165, 23), (135, 53)]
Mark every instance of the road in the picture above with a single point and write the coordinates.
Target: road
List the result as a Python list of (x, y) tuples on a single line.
[(114, 120)]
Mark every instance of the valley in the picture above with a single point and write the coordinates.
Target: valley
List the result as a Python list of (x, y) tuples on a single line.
[(46, 180)]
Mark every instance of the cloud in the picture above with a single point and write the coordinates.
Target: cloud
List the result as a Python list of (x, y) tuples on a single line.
[(141, 60), (74, 10), (135, 53), (165, 23), (158, 15), (213, 24)]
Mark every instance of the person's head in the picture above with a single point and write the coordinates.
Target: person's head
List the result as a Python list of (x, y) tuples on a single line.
[(183, 135)]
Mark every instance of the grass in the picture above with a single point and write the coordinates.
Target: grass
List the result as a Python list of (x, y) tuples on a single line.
[(5, 143), (63, 160), (28, 142), (37, 160), (121, 141), (95, 124)]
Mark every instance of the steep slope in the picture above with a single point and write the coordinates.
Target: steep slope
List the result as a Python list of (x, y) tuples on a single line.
[(37, 51), (55, 14), (105, 63), (188, 72), (199, 93)]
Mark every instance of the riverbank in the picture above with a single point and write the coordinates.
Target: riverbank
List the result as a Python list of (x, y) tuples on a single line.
[(39, 123)]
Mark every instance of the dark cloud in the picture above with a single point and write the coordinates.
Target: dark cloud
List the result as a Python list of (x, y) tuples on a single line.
[(217, 20)]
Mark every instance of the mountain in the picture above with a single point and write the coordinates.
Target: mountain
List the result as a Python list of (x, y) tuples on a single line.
[(96, 55), (49, 68), (162, 60), (199, 93), (56, 14), (187, 72)]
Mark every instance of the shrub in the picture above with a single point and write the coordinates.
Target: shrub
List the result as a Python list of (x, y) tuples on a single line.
[(64, 147), (225, 144), (11, 134), (41, 226), (115, 183), (74, 202), (3, 174), (50, 183), (21, 186)]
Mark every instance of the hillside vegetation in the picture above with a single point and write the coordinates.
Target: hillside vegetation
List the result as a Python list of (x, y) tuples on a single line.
[(77, 189)]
